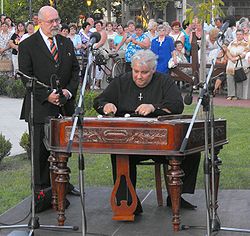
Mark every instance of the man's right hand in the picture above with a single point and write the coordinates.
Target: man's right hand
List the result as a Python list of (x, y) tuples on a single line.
[(54, 98), (109, 108)]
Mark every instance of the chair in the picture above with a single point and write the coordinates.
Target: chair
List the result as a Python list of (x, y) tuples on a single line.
[(158, 182)]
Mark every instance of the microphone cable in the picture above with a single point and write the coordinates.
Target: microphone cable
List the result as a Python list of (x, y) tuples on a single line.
[(17, 222)]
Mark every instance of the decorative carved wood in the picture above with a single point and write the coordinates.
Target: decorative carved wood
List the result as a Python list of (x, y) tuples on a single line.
[(124, 136), (124, 211)]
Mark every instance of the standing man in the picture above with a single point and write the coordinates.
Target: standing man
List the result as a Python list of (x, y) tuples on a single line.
[(146, 93), (48, 56), (35, 21)]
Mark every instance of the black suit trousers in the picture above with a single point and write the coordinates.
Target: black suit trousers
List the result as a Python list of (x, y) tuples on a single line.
[(41, 155)]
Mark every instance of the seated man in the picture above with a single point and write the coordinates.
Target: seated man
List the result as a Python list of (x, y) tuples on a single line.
[(144, 92)]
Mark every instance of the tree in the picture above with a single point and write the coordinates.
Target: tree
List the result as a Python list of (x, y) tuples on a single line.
[(69, 10), (205, 10), (149, 8)]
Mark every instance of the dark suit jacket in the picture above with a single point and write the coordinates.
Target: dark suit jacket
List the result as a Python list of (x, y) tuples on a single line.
[(36, 60)]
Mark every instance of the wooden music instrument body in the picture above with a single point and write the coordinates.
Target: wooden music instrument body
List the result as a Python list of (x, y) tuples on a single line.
[(125, 136)]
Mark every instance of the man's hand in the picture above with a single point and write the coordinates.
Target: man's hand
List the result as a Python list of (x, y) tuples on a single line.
[(66, 93), (109, 108), (145, 109), (54, 98)]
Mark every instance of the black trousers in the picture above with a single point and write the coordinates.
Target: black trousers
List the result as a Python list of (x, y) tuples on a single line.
[(189, 165), (41, 155)]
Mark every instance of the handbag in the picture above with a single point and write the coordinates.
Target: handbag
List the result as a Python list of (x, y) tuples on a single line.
[(239, 73), (43, 199), (5, 65)]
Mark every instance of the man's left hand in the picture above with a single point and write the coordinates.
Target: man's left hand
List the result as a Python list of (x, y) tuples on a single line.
[(66, 93), (145, 109)]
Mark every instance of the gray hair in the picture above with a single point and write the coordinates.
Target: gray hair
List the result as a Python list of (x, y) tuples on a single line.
[(244, 24), (145, 57), (151, 25), (161, 27), (130, 22)]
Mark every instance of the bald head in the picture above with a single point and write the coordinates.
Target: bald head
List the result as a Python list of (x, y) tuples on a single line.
[(49, 20), (45, 11)]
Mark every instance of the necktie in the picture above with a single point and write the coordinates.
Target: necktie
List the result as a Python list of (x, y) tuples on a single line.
[(53, 49)]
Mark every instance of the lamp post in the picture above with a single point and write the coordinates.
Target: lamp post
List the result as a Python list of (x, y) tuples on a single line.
[(89, 2), (1, 6), (30, 9)]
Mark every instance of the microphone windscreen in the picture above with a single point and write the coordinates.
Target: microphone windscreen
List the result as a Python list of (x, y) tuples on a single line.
[(188, 99), (231, 20), (97, 36)]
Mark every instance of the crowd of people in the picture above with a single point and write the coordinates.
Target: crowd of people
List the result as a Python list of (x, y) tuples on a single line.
[(170, 42)]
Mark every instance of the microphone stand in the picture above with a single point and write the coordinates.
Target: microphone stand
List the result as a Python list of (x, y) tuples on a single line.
[(78, 121), (34, 221), (213, 223)]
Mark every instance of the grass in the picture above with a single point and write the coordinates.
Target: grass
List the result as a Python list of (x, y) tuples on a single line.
[(235, 171)]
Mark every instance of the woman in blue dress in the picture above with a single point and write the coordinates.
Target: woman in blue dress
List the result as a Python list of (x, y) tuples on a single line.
[(163, 47)]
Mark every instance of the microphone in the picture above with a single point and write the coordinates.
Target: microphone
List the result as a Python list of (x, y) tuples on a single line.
[(94, 38), (62, 98), (229, 21), (188, 99), (20, 73), (30, 79)]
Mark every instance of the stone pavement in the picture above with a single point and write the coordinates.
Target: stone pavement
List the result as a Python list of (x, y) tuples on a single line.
[(222, 101), (10, 125), (233, 212)]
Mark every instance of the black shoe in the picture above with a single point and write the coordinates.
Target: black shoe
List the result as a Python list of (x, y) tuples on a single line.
[(67, 203), (138, 209), (184, 204), (74, 191)]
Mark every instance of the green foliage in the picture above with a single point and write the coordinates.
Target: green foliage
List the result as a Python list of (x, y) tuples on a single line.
[(15, 88), (3, 85), (204, 9), (159, 4), (11, 87), (25, 144), (156, 4), (5, 147), (88, 102), (69, 10), (15, 181), (235, 174)]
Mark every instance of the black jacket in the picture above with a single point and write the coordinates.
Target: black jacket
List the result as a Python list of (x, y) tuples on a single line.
[(36, 60)]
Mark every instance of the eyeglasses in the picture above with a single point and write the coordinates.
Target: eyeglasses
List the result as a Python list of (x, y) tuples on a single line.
[(57, 20)]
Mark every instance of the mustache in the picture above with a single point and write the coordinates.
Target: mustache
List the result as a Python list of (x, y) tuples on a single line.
[(55, 31), (55, 28)]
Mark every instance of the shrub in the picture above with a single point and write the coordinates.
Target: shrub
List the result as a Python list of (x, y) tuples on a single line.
[(5, 147), (25, 144), (88, 102), (15, 88), (3, 85), (11, 87), (89, 99)]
